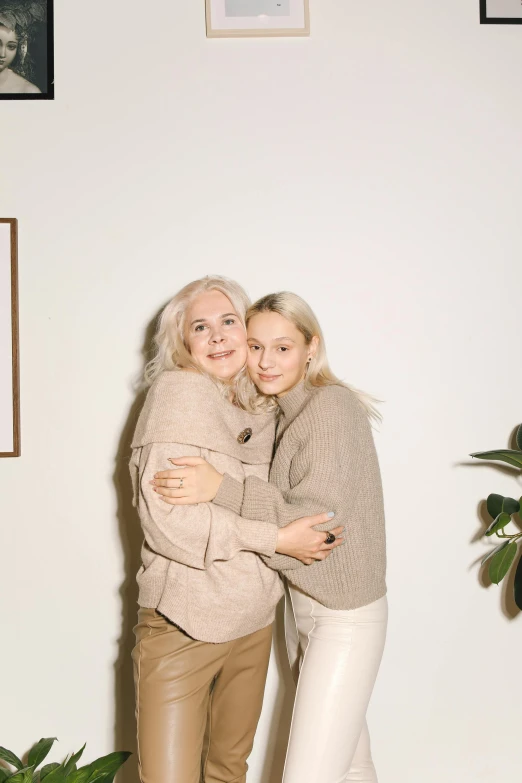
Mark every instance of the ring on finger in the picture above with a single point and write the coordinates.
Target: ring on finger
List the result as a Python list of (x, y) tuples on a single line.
[(180, 483), (330, 538)]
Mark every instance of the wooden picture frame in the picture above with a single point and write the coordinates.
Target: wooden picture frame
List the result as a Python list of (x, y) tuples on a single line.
[(257, 18), (500, 11), (9, 342)]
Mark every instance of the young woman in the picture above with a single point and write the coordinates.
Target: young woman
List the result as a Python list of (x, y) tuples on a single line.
[(325, 456), (13, 53), (206, 598)]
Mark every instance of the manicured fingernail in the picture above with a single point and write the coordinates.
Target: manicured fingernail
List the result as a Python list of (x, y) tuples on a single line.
[(330, 514)]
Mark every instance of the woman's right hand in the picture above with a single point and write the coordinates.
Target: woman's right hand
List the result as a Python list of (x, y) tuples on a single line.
[(300, 540)]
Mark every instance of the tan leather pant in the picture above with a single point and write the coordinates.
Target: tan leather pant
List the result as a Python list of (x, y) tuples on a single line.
[(197, 704)]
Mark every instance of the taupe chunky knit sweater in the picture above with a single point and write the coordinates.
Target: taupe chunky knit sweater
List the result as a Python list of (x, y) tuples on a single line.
[(325, 460), (200, 567)]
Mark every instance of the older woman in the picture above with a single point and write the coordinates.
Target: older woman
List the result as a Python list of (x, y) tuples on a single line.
[(206, 597)]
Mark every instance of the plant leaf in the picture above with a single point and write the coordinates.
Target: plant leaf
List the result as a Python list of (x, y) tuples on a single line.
[(494, 551), (494, 505), (56, 775), (40, 751), (519, 437), (498, 524), (79, 776), (70, 765), (500, 563), (4, 774), (503, 455), (518, 584), (47, 769), (101, 768), (510, 506), (7, 755), (24, 775)]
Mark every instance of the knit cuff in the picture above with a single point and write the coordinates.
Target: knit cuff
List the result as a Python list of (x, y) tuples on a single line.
[(260, 537), (283, 562), (230, 494)]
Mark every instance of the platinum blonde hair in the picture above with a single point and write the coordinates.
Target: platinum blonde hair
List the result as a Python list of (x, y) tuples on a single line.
[(301, 315), (171, 350)]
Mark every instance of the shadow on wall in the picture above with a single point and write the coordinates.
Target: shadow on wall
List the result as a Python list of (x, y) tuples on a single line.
[(131, 539)]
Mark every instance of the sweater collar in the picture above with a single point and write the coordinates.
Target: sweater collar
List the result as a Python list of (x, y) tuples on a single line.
[(293, 402), (188, 408)]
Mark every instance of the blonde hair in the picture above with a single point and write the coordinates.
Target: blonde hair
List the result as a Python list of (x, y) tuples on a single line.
[(171, 348), (301, 315)]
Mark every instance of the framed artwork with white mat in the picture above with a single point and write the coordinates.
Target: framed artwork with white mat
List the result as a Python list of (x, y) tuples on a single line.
[(257, 18), (501, 11)]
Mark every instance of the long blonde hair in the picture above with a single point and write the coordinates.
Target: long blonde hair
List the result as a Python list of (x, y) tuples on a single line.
[(171, 349), (318, 373)]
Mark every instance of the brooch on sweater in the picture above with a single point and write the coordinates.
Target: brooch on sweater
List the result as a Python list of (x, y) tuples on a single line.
[(244, 436)]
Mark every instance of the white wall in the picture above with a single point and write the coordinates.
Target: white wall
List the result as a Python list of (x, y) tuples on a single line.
[(375, 169)]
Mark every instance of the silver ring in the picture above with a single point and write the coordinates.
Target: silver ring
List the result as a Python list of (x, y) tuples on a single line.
[(330, 538), (180, 483)]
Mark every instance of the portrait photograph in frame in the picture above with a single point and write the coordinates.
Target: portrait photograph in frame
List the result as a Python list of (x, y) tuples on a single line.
[(9, 351), (257, 18), (26, 50), (501, 11)]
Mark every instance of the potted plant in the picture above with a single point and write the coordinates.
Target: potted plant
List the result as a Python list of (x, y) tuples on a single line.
[(101, 770), (502, 510)]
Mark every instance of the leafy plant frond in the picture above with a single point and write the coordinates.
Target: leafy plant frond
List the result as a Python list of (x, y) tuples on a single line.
[(502, 509), (102, 770), (40, 751), (11, 758), (510, 456)]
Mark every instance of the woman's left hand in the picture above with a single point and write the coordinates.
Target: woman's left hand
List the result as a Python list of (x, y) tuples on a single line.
[(195, 481)]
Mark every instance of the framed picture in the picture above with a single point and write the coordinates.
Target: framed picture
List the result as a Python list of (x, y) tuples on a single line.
[(26, 50), (501, 11), (9, 373), (245, 18)]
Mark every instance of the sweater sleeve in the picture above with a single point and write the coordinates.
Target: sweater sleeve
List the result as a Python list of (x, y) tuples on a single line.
[(194, 535), (327, 462)]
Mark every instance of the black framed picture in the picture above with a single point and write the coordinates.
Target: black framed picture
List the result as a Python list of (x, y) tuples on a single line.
[(501, 11), (26, 50)]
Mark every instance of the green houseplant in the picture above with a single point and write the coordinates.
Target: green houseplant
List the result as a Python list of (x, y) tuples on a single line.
[(101, 770), (502, 511)]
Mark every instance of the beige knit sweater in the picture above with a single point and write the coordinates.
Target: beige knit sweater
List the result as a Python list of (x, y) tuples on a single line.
[(200, 567), (325, 460)]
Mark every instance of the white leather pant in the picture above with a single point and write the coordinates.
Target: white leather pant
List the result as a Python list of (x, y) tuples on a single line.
[(337, 654)]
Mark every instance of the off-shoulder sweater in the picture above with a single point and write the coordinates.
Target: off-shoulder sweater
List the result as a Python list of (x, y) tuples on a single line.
[(201, 564), (325, 460)]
